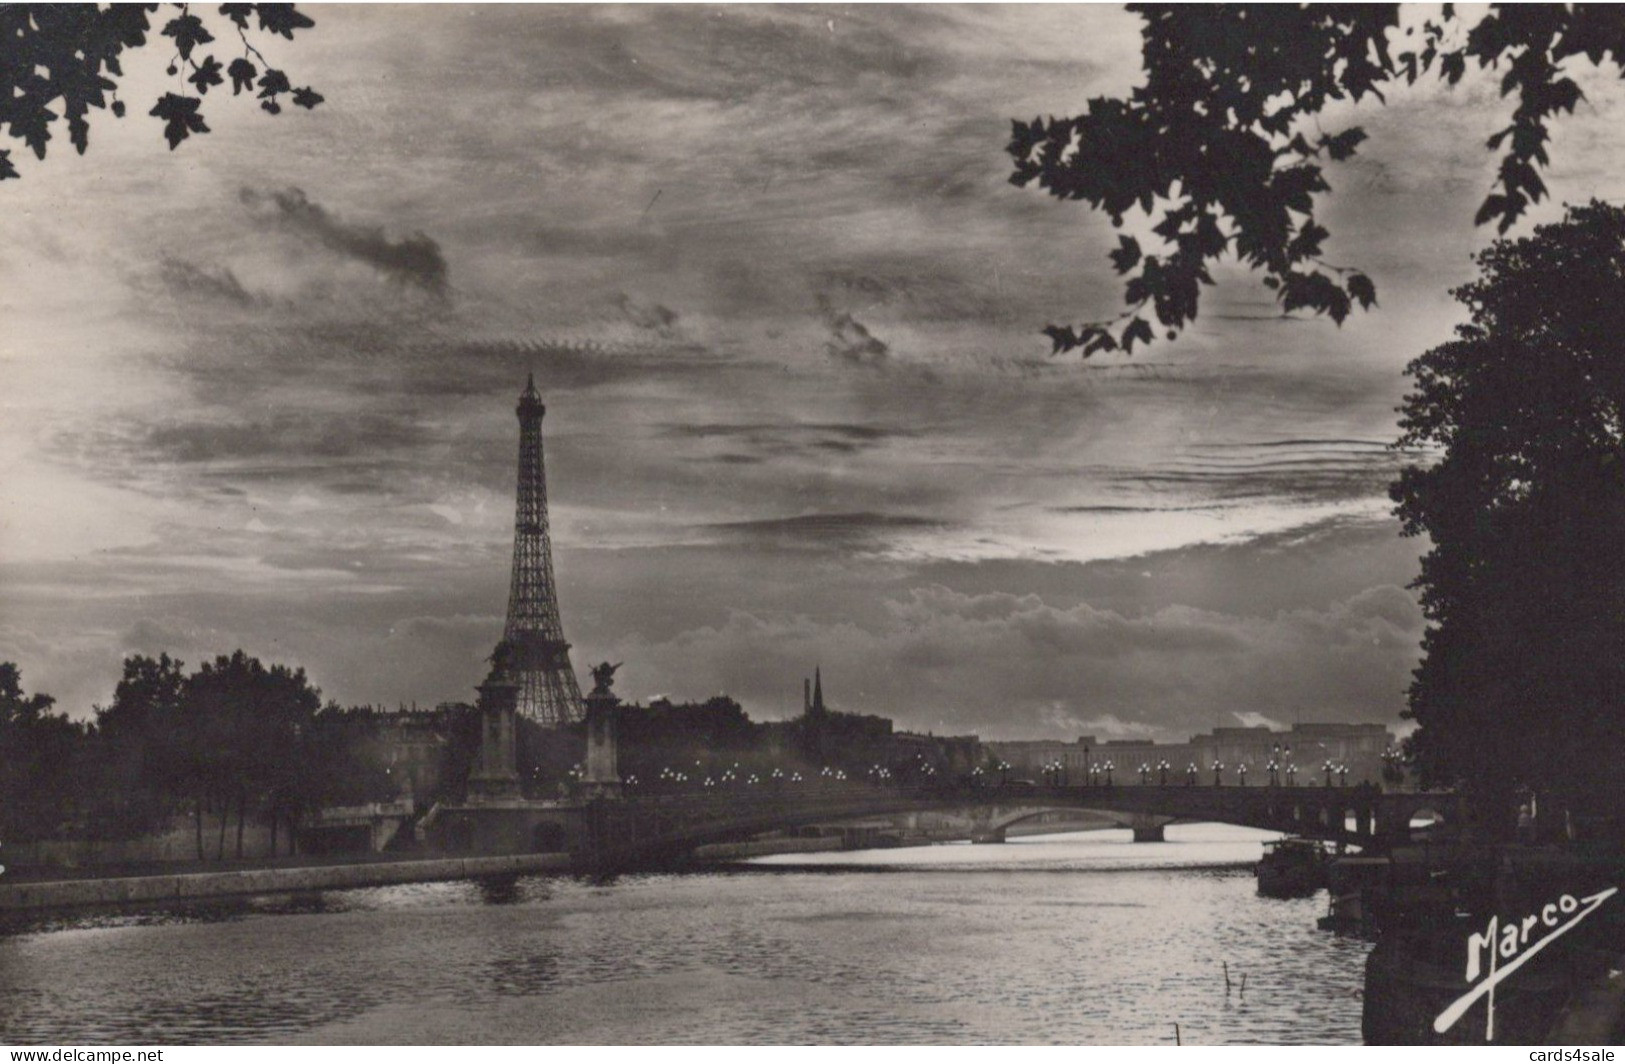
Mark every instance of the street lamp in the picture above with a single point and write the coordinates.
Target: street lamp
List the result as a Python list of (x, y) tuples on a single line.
[(1291, 774), (1343, 775), (1190, 775), (1392, 773), (1217, 768), (1274, 770), (1108, 773), (1162, 769), (1241, 770), (1145, 773), (1328, 768)]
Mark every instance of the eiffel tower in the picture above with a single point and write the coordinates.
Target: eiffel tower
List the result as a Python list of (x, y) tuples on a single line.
[(539, 658)]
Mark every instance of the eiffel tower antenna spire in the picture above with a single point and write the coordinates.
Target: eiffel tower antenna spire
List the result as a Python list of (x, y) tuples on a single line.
[(540, 658)]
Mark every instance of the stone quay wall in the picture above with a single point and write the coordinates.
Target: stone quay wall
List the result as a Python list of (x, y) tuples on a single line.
[(70, 893)]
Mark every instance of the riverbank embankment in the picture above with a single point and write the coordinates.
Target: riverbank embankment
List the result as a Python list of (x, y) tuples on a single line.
[(882, 840), (123, 890)]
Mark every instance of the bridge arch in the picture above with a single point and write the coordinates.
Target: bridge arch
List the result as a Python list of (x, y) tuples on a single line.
[(1147, 827), (637, 831), (1424, 822)]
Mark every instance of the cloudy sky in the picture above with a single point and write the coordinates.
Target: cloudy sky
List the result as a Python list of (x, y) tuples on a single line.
[(784, 309)]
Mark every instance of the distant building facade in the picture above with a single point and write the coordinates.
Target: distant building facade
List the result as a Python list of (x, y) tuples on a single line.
[(1358, 747), (411, 746)]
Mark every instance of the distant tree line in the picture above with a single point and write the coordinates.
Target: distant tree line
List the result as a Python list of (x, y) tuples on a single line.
[(234, 738), (700, 739), (237, 742)]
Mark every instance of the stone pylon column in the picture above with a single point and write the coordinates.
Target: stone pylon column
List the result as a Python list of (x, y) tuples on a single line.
[(1148, 828), (602, 778), (495, 775)]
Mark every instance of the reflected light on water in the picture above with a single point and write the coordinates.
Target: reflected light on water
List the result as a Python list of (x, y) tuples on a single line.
[(1073, 939)]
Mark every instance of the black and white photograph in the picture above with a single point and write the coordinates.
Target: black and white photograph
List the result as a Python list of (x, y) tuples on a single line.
[(834, 525)]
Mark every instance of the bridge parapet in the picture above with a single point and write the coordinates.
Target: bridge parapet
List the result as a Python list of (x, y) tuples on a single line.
[(647, 828)]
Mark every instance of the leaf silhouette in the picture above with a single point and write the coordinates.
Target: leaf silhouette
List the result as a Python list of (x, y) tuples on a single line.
[(282, 18), (189, 32), (1362, 290), (273, 82), (1127, 254), (207, 73), (242, 74), (181, 118)]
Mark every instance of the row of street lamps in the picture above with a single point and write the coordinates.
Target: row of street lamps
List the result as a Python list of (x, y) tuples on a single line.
[(733, 775), (1056, 773)]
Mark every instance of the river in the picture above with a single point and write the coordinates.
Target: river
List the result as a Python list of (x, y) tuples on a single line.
[(1084, 938)]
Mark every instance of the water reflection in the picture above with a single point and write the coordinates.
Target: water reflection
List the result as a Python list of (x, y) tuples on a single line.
[(498, 890), (524, 973), (1066, 939)]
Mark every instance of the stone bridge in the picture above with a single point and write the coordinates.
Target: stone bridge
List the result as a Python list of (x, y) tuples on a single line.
[(641, 830)]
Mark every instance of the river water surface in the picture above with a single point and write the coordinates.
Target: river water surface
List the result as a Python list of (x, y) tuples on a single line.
[(1079, 939)]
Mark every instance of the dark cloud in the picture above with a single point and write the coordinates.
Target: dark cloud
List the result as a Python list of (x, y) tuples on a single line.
[(843, 531), (849, 339), (652, 317), (731, 53), (1322, 469), (786, 439), (1108, 509), (463, 366), (414, 260), (928, 285), (295, 435), (189, 280), (852, 432)]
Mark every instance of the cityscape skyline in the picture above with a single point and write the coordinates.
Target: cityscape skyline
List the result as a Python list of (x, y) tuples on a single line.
[(784, 308)]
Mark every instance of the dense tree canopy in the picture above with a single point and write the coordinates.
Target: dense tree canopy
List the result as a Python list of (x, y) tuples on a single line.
[(233, 736), (140, 744), (37, 750), (1219, 147), (1523, 682), (57, 61)]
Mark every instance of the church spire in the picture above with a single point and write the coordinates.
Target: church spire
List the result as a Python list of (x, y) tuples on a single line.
[(818, 693)]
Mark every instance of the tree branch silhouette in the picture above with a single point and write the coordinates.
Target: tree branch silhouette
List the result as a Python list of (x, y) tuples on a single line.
[(58, 61)]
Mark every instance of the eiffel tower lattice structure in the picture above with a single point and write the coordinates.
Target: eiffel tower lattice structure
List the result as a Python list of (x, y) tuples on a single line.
[(539, 656)]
